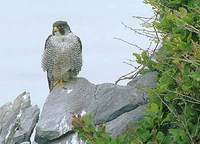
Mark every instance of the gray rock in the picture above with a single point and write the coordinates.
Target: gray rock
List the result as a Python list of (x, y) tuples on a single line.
[(70, 138), (143, 82), (26, 143), (147, 80), (113, 100), (55, 119), (17, 120), (105, 102), (28, 121), (1, 140), (125, 121)]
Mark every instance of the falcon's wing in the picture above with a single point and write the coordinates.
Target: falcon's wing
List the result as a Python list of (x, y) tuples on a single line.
[(47, 61), (46, 57), (76, 56)]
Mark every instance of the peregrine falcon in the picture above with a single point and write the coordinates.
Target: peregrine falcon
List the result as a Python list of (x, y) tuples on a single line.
[(62, 57)]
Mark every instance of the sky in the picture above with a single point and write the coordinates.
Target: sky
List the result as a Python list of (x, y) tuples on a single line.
[(25, 25)]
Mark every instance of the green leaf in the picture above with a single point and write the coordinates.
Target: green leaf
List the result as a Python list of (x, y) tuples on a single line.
[(168, 118), (154, 107), (183, 12), (138, 58), (186, 86), (160, 137), (178, 135), (195, 76), (145, 135)]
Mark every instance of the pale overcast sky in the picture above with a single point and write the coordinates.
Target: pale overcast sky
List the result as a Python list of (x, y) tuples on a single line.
[(25, 24)]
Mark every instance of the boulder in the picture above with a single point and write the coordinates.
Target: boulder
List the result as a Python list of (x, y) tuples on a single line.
[(17, 120), (125, 121), (118, 107), (147, 80), (114, 105)]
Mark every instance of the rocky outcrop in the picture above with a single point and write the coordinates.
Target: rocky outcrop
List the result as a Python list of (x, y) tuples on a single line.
[(17, 120), (118, 107), (114, 105)]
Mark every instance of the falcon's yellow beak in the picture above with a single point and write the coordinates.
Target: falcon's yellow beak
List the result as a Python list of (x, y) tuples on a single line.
[(55, 29)]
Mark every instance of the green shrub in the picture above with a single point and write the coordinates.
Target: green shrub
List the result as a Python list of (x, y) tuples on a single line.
[(173, 112)]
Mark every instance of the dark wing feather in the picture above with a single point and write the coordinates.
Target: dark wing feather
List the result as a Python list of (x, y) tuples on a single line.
[(76, 56), (45, 61), (79, 40), (46, 42)]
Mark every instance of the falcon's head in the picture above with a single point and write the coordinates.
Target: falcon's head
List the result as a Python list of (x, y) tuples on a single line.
[(61, 28)]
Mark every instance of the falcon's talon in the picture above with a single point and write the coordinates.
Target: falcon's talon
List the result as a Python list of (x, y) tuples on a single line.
[(55, 83), (61, 82)]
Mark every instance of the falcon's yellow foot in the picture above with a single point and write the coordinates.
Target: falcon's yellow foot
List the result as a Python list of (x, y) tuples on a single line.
[(58, 82), (61, 82)]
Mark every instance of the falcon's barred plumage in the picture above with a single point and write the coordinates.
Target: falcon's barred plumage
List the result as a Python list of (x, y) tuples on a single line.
[(62, 57)]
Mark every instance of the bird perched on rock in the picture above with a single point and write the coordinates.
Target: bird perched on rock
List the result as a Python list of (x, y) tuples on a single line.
[(62, 57)]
